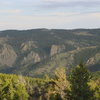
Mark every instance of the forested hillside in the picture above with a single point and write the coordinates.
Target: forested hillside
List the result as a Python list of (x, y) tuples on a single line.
[(79, 85), (40, 51)]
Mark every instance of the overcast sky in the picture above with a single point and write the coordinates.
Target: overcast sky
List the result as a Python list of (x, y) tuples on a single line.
[(63, 14)]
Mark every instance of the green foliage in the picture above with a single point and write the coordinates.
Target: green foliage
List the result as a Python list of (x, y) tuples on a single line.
[(95, 85), (77, 86), (79, 78), (6, 90), (11, 88), (95, 75), (61, 82)]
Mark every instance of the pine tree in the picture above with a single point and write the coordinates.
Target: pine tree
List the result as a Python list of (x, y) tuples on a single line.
[(61, 82), (79, 79)]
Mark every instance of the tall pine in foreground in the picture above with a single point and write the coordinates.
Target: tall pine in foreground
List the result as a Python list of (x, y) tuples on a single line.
[(79, 78)]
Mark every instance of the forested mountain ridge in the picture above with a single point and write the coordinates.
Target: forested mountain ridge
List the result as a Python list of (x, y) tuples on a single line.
[(39, 51), (59, 87)]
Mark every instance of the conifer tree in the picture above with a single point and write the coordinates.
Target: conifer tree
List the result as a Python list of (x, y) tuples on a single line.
[(61, 82), (79, 79)]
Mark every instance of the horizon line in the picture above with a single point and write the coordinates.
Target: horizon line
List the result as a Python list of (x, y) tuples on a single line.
[(47, 29)]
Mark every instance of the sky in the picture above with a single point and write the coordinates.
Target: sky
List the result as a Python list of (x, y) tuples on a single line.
[(51, 14)]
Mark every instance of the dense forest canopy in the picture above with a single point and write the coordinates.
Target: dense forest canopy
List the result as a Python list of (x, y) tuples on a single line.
[(79, 85)]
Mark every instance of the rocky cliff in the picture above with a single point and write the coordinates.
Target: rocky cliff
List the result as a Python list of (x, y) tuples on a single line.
[(40, 51)]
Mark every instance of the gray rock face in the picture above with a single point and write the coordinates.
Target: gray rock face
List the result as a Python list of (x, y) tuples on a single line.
[(20, 50), (56, 49), (31, 57), (28, 45), (90, 61), (3, 40), (94, 59), (7, 55)]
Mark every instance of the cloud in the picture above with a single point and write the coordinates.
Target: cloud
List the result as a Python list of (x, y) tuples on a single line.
[(53, 0), (5, 3), (53, 20), (69, 3), (12, 11), (23, 14), (57, 14), (66, 0)]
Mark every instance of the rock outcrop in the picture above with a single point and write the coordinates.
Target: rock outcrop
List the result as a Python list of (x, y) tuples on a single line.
[(28, 45), (94, 59), (32, 56), (90, 61), (7, 55), (55, 49)]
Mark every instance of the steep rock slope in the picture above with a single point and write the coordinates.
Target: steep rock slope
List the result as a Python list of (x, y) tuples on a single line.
[(39, 51), (7, 54)]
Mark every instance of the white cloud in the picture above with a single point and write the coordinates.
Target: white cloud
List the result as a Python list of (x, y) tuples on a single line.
[(69, 3), (65, 14), (54, 0), (57, 14), (13, 11), (65, 0), (61, 20)]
